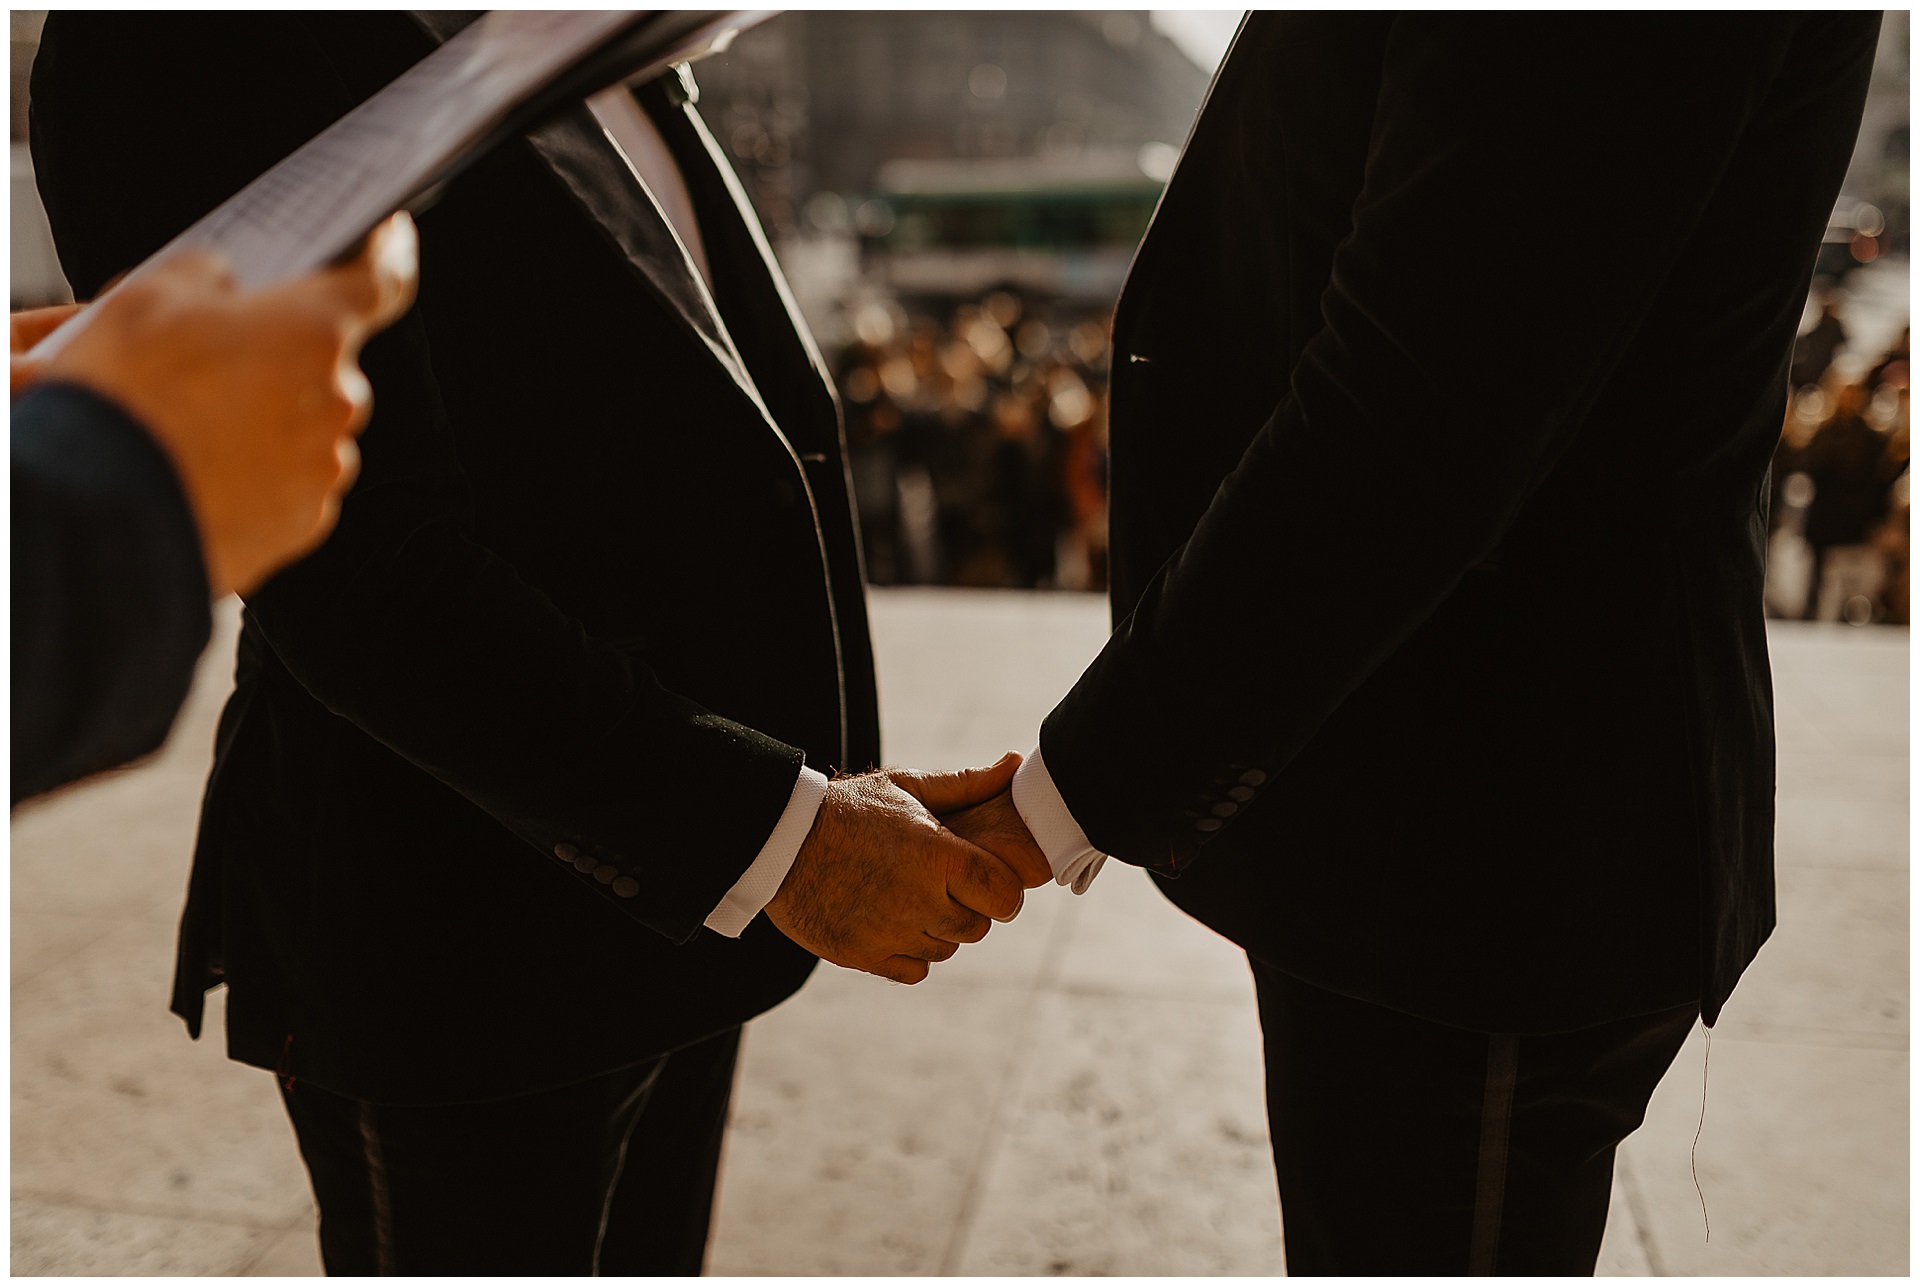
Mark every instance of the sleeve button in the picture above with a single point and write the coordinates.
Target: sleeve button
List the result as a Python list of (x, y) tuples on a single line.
[(1241, 794), (1225, 809), (1208, 824), (565, 853), (605, 874), (583, 864), (1253, 778), (626, 887)]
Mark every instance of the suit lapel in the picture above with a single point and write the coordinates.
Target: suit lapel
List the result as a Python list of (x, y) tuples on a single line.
[(603, 185), (767, 329), (1122, 309), (598, 179)]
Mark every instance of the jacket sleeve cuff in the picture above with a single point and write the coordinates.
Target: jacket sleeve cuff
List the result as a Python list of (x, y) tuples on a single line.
[(1074, 860), (762, 880)]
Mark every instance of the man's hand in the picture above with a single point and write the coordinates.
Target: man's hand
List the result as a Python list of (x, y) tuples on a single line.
[(256, 395), (879, 885), (997, 827)]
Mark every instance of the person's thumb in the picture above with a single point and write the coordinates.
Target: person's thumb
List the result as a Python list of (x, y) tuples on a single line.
[(371, 290), (943, 793)]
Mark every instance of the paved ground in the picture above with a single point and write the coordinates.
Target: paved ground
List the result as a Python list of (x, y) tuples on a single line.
[(1080, 1095)]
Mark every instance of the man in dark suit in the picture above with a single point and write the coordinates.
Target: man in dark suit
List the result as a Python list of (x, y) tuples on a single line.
[(1388, 693), (513, 760)]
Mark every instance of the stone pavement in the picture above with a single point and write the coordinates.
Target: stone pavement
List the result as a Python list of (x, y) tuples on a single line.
[(1078, 1095)]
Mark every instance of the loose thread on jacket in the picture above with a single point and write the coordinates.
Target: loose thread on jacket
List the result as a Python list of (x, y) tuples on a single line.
[(1693, 1159), (283, 1072)]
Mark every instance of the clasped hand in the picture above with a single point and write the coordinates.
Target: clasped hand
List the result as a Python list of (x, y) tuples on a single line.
[(901, 868)]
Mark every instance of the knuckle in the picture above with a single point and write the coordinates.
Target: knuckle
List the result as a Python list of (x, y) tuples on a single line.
[(995, 890), (136, 302), (346, 455), (984, 872), (337, 407), (1003, 890), (140, 292), (199, 259), (188, 274)]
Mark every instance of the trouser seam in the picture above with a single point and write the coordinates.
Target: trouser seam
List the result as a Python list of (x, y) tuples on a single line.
[(380, 1199), (1490, 1181), (639, 1098)]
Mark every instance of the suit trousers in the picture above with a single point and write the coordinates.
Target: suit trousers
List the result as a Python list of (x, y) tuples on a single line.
[(1409, 1147), (609, 1176)]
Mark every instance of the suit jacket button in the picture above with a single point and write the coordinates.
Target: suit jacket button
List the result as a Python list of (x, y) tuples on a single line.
[(584, 863), (1253, 778), (626, 887), (1241, 794), (1225, 809), (605, 874), (565, 853), (1208, 824)]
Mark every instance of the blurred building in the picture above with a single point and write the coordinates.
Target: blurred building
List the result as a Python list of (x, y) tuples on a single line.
[(1873, 217), (812, 102), (1879, 173), (933, 157)]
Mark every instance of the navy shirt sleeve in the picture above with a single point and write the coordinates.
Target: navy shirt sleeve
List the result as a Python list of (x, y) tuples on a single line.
[(110, 594)]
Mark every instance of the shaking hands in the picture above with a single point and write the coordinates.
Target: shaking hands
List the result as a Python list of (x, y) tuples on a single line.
[(902, 868)]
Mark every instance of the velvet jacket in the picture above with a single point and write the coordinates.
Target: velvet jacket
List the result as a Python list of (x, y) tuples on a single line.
[(1445, 385)]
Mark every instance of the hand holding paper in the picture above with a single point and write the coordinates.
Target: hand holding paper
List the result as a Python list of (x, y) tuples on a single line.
[(255, 395)]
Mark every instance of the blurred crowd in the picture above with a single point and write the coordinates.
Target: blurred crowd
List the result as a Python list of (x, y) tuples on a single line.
[(1839, 545), (977, 437)]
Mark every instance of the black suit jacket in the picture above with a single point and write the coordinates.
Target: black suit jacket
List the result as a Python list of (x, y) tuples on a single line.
[(498, 748), (1445, 385), (109, 589)]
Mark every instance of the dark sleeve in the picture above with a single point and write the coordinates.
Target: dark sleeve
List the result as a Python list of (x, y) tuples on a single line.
[(109, 591), (423, 635), (405, 623), (1612, 134)]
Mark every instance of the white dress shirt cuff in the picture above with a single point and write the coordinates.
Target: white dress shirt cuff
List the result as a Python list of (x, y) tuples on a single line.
[(1075, 862), (760, 882)]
